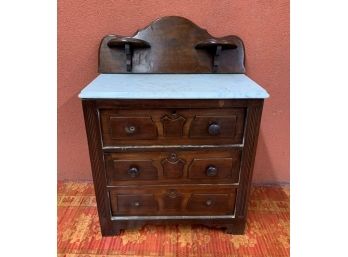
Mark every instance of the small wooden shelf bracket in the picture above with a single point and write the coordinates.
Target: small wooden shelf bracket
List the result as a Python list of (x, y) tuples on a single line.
[(215, 45), (129, 45)]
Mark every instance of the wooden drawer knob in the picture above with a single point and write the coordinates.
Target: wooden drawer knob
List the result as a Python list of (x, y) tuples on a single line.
[(136, 204), (211, 171), (130, 129), (209, 202), (133, 172), (214, 129)]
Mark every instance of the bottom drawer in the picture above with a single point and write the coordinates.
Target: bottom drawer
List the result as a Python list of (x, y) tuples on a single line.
[(169, 200)]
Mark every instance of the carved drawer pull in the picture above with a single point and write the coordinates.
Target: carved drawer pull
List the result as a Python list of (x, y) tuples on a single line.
[(173, 157), (209, 202), (172, 194), (211, 171), (136, 204), (130, 129), (214, 129), (133, 172)]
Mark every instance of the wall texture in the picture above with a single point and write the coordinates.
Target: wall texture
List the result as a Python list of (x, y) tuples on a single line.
[(263, 25)]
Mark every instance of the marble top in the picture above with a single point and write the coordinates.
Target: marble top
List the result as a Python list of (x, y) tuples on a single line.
[(173, 86)]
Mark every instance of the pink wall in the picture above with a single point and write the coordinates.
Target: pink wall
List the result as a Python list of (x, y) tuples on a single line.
[(262, 24)]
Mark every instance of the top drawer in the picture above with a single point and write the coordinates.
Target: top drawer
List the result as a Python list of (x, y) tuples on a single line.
[(172, 126)]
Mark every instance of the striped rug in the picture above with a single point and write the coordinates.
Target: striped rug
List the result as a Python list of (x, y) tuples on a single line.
[(267, 232)]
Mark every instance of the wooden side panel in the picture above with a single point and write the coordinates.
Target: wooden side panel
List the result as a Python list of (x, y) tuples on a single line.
[(97, 163), (251, 136)]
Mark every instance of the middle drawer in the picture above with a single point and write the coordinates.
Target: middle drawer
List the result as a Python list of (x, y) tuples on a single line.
[(173, 167)]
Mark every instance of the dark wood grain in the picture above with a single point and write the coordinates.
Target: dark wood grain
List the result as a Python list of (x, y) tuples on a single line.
[(215, 168), (191, 127), (97, 164), (173, 125), (195, 200), (211, 203), (130, 169), (215, 46), (173, 42), (173, 167), (133, 204), (216, 126), (129, 44), (120, 127), (176, 167), (122, 41), (251, 136)]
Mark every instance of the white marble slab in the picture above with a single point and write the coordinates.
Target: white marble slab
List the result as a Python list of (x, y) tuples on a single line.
[(173, 86)]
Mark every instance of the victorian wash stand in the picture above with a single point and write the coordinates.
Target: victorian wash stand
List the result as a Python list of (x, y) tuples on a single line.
[(172, 126)]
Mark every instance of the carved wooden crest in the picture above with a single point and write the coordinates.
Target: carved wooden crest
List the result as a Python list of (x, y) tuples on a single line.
[(173, 166), (173, 125), (171, 45)]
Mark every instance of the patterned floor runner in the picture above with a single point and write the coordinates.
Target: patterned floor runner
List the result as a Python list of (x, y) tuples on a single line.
[(267, 233)]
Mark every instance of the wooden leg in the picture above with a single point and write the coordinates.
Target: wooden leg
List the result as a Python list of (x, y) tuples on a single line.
[(237, 228), (111, 231), (117, 231)]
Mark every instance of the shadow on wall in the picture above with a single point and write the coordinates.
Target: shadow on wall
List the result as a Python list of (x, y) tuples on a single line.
[(263, 167), (73, 157)]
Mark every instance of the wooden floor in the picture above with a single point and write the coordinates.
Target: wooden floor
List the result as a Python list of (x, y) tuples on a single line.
[(267, 233)]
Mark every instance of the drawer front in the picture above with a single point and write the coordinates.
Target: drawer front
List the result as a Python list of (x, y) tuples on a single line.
[(214, 168), (205, 126), (172, 126), (173, 167), (136, 203), (132, 128), (131, 170), (208, 201), (178, 200)]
